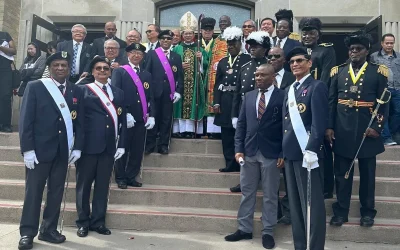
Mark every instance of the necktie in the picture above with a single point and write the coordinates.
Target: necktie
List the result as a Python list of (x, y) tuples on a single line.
[(105, 89), (151, 46), (74, 59), (261, 104), (166, 52), (296, 84), (136, 69), (61, 88), (278, 43)]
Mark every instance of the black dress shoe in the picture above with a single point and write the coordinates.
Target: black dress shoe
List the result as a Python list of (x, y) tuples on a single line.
[(366, 221), (337, 221), (268, 241), (285, 220), (135, 184), (239, 235), (82, 231), (122, 185), (101, 230), (148, 151), (226, 170), (52, 237), (236, 189), (163, 150), (26, 242), (328, 196), (6, 129)]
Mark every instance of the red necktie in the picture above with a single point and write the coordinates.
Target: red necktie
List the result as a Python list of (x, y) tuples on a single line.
[(261, 104)]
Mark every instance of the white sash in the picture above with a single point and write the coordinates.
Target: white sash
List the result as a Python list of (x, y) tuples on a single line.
[(62, 106), (297, 122), (108, 105)]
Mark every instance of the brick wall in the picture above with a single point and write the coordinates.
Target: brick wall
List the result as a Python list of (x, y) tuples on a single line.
[(10, 11)]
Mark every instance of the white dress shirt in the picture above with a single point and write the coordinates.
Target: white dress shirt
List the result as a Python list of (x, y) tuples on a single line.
[(301, 81), (150, 45), (283, 41), (78, 55), (167, 54), (58, 85), (109, 90), (267, 96), (133, 66), (279, 77)]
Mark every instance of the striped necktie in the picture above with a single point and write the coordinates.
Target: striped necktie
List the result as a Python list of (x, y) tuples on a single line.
[(74, 59), (261, 104)]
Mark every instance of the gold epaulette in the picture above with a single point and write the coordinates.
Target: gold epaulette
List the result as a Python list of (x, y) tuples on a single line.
[(334, 71), (383, 69), (295, 36), (325, 44)]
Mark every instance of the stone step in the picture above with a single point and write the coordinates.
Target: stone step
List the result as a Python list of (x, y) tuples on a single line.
[(208, 220), (207, 198)]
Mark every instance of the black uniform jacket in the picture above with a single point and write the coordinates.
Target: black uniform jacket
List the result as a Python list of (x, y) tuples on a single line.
[(265, 134), (287, 80), (323, 59), (85, 58), (122, 80), (41, 125), (99, 125), (312, 101), (98, 45), (246, 83), (153, 65), (227, 76), (350, 123)]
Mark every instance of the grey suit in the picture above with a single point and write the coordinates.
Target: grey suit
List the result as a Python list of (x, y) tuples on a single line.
[(261, 143)]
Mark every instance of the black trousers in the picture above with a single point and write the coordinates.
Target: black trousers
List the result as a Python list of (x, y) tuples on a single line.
[(164, 108), (367, 167), (329, 179), (5, 97), (297, 189), (228, 148), (97, 168), (283, 204), (128, 166), (35, 180)]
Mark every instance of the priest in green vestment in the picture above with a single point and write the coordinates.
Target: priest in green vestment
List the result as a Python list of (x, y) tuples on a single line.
[(192, 105)]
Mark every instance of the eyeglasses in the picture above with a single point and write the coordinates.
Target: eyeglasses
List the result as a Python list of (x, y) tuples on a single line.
[(247, 26), (136, 53), (298, 61), (78, 32), (100, 68), (137, 37), (149, 31), (356, 48), (277, 56), (166, 38), (111, 48)]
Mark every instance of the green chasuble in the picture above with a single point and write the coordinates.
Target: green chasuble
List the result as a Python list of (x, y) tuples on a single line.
[(185, 108)]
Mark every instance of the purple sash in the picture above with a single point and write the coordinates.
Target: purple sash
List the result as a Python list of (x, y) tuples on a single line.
[(168, 70), (139, 87)]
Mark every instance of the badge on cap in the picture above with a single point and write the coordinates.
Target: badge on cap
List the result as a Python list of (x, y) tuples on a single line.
[(301, 107), (73, 114), (119, 111), (146, 85), (174, 68), (64, 54), (137, 46)]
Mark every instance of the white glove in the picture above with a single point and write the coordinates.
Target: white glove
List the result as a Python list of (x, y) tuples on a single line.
[(150, 123), (310, 159), (30, 159), (75, 155), (120, 152), (234, 122), (177, 96), (130, 121)]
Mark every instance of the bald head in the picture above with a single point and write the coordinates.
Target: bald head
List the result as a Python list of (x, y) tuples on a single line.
[(276, 58), (110, 29), (265, 76), (224, 22), (133, 36)]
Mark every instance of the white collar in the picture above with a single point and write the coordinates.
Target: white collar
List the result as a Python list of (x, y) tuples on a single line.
[(133, 65), (58, 84), (155, 43), (283, 40), (269, 89), (100, 84), (281, 72), (302, 80), (75, 42)]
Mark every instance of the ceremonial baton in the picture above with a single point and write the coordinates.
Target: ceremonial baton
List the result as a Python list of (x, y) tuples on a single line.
[(66, 189), (113, 167), (308, 206), (198, 77), (374, 114)]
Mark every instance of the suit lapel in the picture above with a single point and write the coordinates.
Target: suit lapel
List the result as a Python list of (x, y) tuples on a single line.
[(70, 48), (52, 100), (69, 94), (303, 86), (271, 102), (253, 98), (83, 51)]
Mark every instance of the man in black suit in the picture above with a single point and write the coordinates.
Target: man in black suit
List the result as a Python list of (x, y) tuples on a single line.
[(48, 121), (258, 142), (282, 39), (81, 53), (167, 89), (305, 111), (139, 101), (110, 29), (112, 53), (283, 79), (153, 32), (105, 131)]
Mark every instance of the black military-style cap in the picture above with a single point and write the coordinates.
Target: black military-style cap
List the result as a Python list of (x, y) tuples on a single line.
[(136, 46), (284, 14), (165, 32), (296, 51), (61, 55), (310, 23), (97, 59), (359, 37), (207, 23)]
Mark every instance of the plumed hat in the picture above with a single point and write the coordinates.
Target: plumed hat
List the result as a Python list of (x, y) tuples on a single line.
[(260, 38), (232, 33), (284, 14), (310, 23), (359, 37)]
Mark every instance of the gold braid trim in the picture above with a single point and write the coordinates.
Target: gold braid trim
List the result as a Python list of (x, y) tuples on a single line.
[(295, 36), (334, 71), (383, 69)]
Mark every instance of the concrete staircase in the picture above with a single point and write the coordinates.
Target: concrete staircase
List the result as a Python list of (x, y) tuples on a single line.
[(185, 192)]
